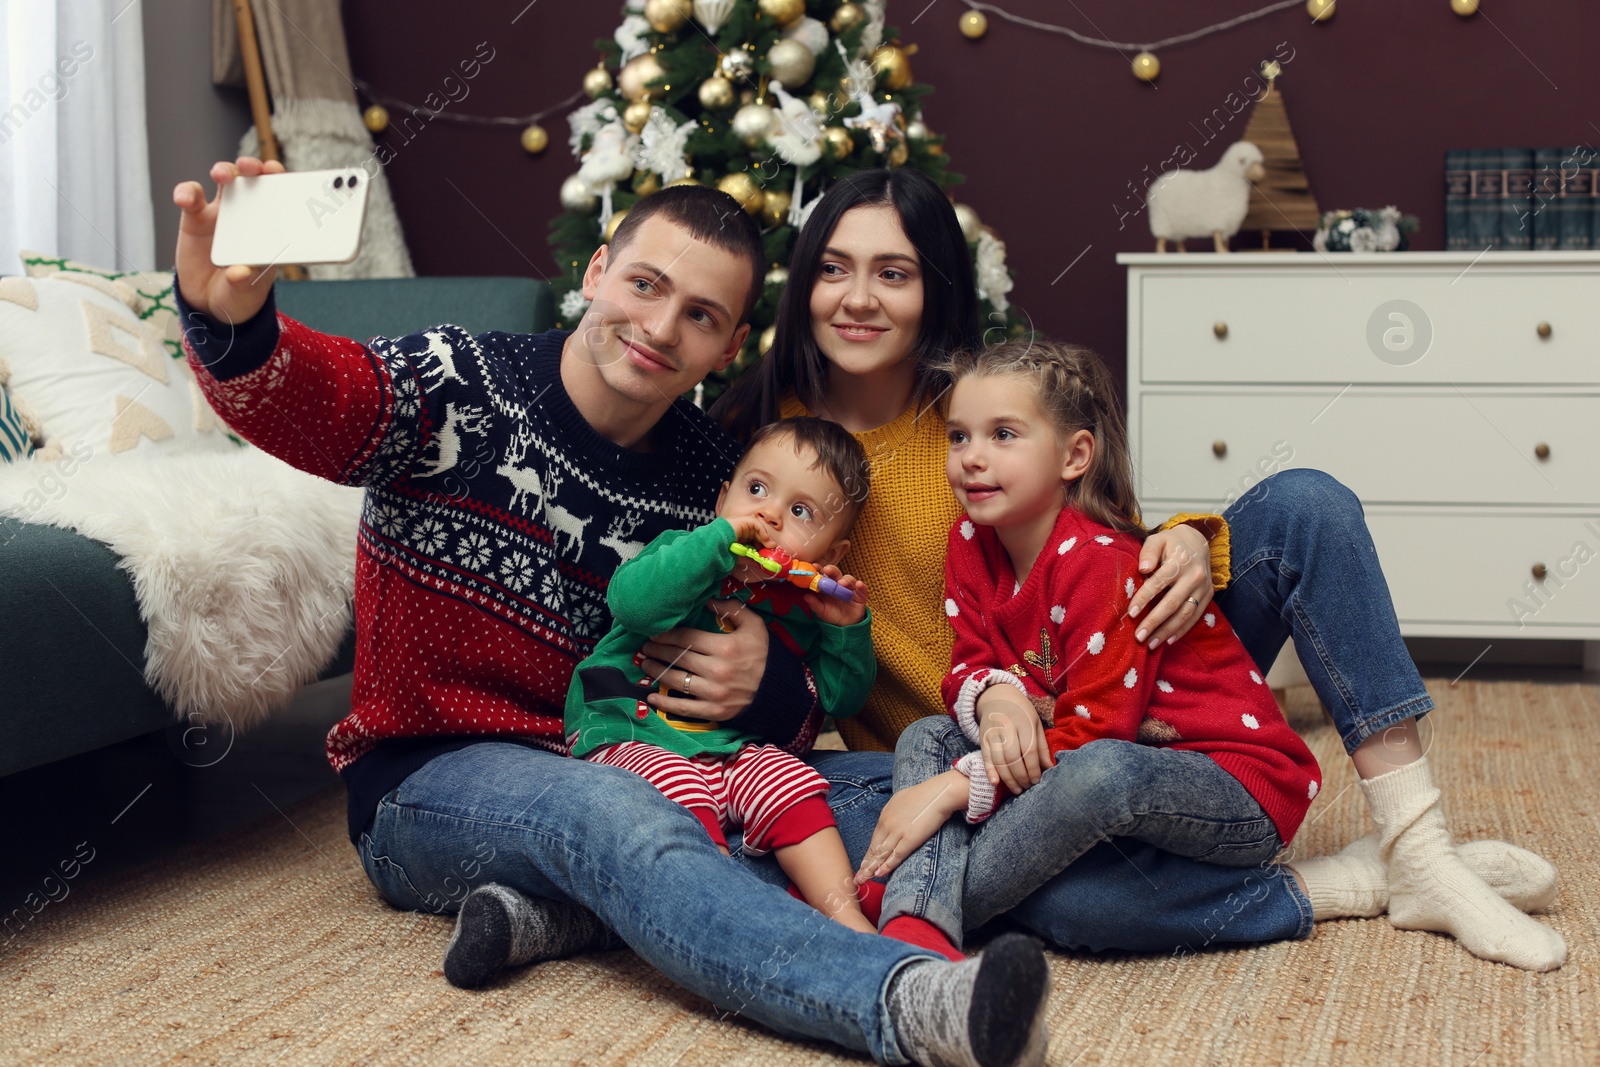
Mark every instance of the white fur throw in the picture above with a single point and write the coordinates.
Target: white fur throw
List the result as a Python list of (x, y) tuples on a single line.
[(243, 567)]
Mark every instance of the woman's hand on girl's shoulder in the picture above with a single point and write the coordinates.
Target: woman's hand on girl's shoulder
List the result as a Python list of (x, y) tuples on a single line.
[(911, 817), (1179, 589)]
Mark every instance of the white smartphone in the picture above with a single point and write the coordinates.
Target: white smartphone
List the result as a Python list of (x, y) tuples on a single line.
[(311, 216)]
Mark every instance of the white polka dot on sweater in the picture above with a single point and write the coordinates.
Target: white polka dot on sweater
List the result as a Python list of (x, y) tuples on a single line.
[(967, 529), (1103, 539), (1097, 644), (1066, 546), (1254, 677), (950, 608), (1130, 679), (1250, 721), (1211, 619), (1163, 685), (1082, 712), (958, 668), (1311, 791), (1128, 588), (1058, 614)]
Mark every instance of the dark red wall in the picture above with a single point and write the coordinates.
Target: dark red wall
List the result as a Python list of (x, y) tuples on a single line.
[(1047, 131)]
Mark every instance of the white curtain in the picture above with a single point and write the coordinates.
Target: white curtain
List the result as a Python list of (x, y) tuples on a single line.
[(74, 153)]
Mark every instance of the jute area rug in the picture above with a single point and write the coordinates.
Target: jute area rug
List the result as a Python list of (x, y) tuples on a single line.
[(271, 947)]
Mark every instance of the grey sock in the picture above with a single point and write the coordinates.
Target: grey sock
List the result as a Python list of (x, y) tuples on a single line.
[(499, 927), (986, 1012)]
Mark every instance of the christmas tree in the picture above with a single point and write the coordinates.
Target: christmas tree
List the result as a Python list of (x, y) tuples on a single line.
[(768, 100)]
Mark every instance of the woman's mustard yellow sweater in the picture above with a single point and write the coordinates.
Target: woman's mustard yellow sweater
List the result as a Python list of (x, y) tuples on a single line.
[(897, 548)]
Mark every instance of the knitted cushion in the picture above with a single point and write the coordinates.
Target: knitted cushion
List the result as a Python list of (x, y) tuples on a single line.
[(85, 368), (150, 292)]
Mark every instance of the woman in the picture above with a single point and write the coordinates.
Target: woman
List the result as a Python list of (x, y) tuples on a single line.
[(879, 282)]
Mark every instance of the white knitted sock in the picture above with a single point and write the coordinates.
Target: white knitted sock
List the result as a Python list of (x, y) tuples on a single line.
[(1430, 887), (1355, 883)]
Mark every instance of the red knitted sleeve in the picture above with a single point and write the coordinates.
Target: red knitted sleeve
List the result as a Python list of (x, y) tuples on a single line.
[(975, 664)]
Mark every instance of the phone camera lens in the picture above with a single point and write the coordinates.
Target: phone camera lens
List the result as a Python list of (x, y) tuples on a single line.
[(338, 183), (352, 181)]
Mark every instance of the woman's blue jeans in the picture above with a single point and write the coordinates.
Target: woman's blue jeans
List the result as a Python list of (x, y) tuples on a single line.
[(1303, 566)]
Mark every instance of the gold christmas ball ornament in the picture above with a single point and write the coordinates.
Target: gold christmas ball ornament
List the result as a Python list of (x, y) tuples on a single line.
[(646, 182), (664, 16), (775, 210), (376, 118), (899, 154), (681, 181), (575, 196), (753, 122), (613, 222), (847, 17), (792, 63), (636, 74), (636, 115), (821, 103), (743, 188), (716, 93), (1319, 10), (783, 12), (1146, 66), (974, 24), (778, 276), (967, 219), (892, 64), (535, 139), (596, 82), (769, 335), (839, 142), (1464, 8)]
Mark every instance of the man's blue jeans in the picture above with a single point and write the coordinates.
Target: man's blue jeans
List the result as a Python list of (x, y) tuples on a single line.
[(567, 829), (1303, 566)]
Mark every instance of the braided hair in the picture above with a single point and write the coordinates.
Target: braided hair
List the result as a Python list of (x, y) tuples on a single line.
[(1075, 391)]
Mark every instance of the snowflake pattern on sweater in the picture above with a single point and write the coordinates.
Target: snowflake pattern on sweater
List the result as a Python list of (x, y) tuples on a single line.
[(493, 519), (1063, 638)]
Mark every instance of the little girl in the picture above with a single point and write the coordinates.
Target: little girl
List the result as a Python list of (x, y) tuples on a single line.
[(1072, 731)]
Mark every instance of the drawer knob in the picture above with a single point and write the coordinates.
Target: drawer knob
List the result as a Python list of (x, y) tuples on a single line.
[(1219, 448), (1539, 572), (1541, 450), (1221, 329), (1544, 329)]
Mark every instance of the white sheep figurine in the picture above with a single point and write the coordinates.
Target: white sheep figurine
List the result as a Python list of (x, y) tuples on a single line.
[(1193, 203)]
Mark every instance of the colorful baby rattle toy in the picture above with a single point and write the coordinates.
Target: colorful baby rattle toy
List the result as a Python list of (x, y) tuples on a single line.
[(796, 571)]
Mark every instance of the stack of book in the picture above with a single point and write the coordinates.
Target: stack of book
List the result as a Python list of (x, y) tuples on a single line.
[(1522, 199)]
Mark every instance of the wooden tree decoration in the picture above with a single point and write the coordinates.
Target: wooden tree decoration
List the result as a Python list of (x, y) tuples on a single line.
[(1282, 200)]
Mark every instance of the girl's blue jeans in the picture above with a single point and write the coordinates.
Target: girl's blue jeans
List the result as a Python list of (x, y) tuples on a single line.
[(1303, 564)]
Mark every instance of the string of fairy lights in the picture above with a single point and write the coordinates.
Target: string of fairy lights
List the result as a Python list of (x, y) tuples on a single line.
[(973, 24)]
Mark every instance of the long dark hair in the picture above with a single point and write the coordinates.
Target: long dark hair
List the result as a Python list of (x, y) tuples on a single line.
[(949, 298)]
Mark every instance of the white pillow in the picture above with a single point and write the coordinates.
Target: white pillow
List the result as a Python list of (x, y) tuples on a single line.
[(85, 369)]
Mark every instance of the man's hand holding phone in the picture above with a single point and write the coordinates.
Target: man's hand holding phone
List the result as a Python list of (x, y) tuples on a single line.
[(228, 294)]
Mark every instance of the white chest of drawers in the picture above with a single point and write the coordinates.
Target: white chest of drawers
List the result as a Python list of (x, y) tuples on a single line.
[(1457, 395)]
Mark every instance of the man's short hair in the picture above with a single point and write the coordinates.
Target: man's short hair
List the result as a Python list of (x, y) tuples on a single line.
[(710, 215), (838, 453)]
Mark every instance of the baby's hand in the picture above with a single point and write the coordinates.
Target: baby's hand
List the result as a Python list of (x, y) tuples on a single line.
[(749, 530), (840, 612)]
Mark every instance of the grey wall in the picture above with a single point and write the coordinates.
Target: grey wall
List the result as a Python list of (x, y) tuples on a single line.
[(192, 123)]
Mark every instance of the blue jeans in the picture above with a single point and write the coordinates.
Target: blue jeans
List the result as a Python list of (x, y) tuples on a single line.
[(568, 829), (1303, 565), (1180, 802)]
